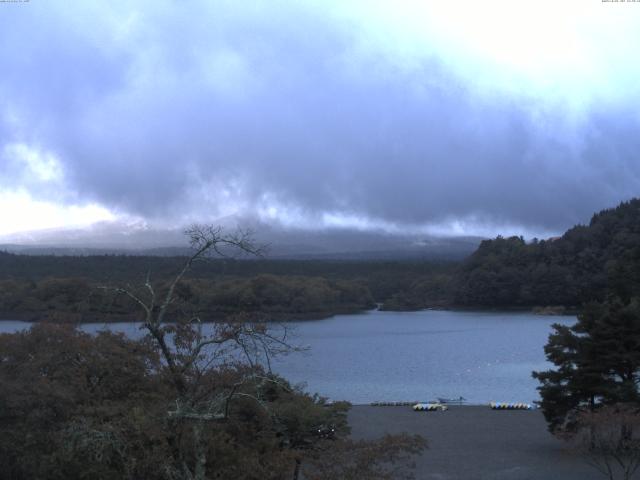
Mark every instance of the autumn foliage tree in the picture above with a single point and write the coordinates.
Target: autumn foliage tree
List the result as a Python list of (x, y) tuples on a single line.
[(72, 403)]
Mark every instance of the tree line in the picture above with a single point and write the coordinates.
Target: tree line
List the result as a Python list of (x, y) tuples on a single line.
[(271, 296), (46, 287)]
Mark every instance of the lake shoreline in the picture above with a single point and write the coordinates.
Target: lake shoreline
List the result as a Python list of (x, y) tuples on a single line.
[(75, 318), (280, 317)]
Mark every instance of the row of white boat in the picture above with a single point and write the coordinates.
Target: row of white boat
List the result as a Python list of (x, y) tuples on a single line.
[(442, 404)]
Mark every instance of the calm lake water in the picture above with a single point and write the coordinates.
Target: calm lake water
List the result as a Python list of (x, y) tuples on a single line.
[(407, 356)]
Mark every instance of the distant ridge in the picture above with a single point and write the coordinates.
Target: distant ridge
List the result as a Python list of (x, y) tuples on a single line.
[(334, 244)]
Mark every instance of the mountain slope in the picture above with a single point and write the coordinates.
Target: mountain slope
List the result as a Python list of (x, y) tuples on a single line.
[(586, 263)]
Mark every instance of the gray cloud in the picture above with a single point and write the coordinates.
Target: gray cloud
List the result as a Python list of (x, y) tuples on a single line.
[(172, 110)]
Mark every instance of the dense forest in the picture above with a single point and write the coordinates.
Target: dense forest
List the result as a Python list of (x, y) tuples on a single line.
[(586, 263), (69, 287)]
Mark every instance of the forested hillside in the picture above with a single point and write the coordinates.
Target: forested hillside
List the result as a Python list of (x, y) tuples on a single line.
[(586, 263)]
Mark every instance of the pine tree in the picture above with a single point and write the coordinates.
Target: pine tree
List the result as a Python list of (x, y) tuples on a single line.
[(597, 363)]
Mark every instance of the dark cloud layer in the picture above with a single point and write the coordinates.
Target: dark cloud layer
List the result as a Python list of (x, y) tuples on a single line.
[(170, 110)]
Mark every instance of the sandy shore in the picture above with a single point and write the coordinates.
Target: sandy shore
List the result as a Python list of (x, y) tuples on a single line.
[(473, 442)]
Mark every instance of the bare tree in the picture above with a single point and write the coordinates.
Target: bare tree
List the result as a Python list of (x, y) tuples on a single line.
[(213, 367), (189, 353), (609, 440)]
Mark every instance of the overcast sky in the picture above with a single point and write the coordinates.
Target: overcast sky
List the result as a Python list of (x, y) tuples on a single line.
[(481, 117)]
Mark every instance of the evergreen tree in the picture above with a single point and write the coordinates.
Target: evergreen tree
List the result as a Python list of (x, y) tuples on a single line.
[(585, 264), (597, 360)]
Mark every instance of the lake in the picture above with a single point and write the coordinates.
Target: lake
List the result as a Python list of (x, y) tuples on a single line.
[(407, 356)]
